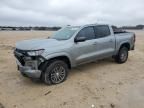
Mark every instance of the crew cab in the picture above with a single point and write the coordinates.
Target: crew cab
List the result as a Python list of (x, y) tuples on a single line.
[(51, 59)]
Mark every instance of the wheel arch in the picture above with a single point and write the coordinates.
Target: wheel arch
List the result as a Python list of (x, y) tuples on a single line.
[(126, 44), (63, 58), (53, 57)]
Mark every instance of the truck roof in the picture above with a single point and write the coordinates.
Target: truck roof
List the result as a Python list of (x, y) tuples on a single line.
[(88, 25)]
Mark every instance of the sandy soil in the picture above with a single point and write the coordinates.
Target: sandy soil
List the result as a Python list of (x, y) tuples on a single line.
[(103, 84)]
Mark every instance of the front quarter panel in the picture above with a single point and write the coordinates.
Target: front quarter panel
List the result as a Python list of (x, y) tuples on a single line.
[(62, 50), (58, 54)]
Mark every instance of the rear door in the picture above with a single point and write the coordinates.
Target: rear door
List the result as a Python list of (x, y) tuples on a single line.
[(105, 41)]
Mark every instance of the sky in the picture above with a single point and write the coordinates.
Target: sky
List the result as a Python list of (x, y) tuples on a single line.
[(71, 12)]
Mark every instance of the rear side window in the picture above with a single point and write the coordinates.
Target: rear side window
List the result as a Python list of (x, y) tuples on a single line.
[(87, 32), (102, 31)]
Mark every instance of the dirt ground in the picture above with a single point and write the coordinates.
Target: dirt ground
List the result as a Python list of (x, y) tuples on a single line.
[(103, 84)]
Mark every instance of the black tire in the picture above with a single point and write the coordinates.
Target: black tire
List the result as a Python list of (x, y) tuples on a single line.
[(56, 72), (122, 55)]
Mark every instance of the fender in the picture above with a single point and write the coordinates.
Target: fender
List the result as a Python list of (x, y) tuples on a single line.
[(57, 54), (119, 45)]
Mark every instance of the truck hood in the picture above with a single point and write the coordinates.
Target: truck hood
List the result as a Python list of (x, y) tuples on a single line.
[(35, 44)]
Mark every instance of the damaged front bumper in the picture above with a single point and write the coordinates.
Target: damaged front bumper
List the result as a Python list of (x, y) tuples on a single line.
[(30, 69)]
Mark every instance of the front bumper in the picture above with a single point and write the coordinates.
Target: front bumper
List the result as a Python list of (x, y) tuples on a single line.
[(28, 65), (28, 71)]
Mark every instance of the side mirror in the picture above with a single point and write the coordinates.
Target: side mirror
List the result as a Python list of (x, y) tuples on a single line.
[(80, 39)]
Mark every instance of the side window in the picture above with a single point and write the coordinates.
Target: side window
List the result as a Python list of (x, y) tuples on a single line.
[(102, 31), (87, 32)]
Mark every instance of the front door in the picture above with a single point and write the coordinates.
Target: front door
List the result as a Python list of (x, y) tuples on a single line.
[(85, 51)]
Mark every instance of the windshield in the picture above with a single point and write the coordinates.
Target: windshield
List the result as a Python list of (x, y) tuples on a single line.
[(64, 33)]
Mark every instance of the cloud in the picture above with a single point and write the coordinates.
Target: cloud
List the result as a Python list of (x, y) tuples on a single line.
[(73, 12)]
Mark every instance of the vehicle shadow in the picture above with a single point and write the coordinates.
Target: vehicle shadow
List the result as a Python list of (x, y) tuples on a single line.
[(85, 68)]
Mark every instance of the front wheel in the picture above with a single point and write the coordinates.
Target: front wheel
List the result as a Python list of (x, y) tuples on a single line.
[(122, 55), (56, 72)]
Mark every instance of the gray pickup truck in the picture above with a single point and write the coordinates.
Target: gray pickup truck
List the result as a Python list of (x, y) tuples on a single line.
[(50, 59)]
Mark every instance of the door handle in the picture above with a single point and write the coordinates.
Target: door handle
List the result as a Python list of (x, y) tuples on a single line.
[(95, 43), (110, 40)]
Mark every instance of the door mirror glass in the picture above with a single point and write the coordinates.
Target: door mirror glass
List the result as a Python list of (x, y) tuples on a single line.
[(80, 39)]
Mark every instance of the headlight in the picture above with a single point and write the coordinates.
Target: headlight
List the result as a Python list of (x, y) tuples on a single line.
[(35, 52)]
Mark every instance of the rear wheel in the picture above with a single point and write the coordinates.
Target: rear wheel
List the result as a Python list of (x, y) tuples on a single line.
[(122, 55), (56, 72)]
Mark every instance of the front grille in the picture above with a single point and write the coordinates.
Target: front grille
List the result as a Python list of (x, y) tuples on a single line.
[(25, 59), (20, 54)]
